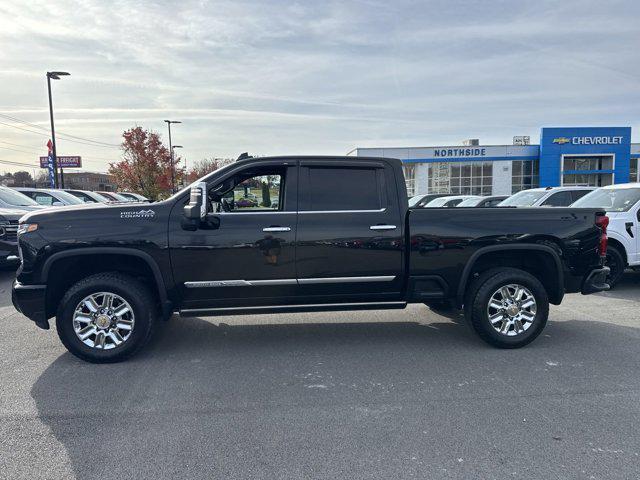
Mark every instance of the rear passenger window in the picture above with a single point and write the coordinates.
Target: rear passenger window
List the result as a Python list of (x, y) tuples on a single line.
[(332, 188), (560, 199)]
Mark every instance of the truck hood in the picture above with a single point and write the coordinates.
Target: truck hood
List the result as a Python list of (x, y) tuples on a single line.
[(84, 210)]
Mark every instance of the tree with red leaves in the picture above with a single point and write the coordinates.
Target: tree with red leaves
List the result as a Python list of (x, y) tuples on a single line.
[(206, 166), (145, 167)]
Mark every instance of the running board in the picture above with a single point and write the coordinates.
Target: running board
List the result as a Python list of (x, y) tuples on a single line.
[(320, 307)]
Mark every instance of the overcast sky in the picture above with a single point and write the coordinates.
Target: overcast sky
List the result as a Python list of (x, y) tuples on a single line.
[(312, 77)]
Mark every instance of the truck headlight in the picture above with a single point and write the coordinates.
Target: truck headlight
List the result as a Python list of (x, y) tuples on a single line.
[(27, 227)]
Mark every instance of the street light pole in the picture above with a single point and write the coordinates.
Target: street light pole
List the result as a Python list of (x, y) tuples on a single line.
[(54, 76), (173, 157), (53, 136), (173, 178)]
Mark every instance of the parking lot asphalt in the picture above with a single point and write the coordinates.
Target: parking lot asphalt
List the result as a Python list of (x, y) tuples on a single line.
[(383, 394)]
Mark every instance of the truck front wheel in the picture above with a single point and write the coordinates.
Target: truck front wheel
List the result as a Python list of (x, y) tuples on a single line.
[(508, 307), (106, 317)]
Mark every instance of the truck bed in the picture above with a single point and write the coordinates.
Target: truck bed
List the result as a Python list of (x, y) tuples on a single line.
[(444, 242)]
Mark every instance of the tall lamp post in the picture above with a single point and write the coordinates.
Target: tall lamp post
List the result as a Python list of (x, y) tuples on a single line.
[(173, 178), (54, 76), (173, 156)]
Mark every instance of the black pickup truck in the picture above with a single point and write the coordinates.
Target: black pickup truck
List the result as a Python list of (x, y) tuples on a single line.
[(298, 234)]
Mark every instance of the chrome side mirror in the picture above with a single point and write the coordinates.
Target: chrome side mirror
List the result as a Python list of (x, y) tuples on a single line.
[(196, 209)]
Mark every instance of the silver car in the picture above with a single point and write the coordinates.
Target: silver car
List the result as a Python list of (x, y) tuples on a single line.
[(87, 196), (9, 198), (449, 201), (49, 197)]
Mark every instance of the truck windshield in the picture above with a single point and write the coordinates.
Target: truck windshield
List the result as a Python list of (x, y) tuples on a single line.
[(610, 199), (525, 198), (17, 199)]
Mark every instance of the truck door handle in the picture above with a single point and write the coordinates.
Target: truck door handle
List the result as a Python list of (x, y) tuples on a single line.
[(276, 229), (382, 227)]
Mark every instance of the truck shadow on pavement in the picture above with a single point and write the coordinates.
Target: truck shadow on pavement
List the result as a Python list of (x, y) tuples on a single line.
[(628, 288), (254, 400)]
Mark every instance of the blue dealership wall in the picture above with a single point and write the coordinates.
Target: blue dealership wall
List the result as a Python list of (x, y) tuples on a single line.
[(555, 142)]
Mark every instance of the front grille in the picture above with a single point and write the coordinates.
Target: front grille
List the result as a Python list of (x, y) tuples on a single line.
[(9, 231)]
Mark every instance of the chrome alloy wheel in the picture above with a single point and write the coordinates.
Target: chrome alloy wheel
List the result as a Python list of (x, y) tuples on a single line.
[(103, 320), (511, 309)]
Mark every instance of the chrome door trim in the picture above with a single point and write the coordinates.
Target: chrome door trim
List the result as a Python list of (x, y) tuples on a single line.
[(249, 212), (397, 304), (382, 227), (276, 229), (266, 283), (380, 210), (286, 281), (310, 281), (240, 283)]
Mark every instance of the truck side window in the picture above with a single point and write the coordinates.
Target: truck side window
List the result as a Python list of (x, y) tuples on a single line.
[(343, 188), (255, 190)]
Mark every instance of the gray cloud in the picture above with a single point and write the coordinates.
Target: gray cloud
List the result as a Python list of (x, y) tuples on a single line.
[(274, 77)]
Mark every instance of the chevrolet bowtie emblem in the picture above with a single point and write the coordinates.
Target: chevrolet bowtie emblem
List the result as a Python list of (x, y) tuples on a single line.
[(561, 140)]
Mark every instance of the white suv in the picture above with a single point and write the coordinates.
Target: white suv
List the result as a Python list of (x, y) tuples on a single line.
[(622, 203), (546, 197)]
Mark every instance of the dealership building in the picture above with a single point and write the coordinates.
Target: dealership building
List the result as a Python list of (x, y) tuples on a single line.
[(593, 156)]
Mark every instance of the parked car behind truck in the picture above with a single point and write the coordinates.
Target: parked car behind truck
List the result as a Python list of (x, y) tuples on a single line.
[(449, 201), (9, 234), (49, 197), (482, 202), (622, 204), (546, 197), (11, 199), (421, 200), (134, 197), (109, 273), (114, 197), (87, 196)]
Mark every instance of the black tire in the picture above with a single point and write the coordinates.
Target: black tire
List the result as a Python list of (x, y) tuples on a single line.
[(134, 292), (615, 261), (480, 293)]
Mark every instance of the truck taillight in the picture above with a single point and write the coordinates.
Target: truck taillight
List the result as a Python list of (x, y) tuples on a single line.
[(602, 221)]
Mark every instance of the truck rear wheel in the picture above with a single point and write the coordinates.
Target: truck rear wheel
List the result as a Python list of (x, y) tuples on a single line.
[(106, 317), (508, 307)]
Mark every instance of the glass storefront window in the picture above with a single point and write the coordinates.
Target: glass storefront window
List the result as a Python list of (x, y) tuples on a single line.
[(633, 169), (573, 162), (587, 179), (461, 178), (410, 179), (576, 163), (524, 175)]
